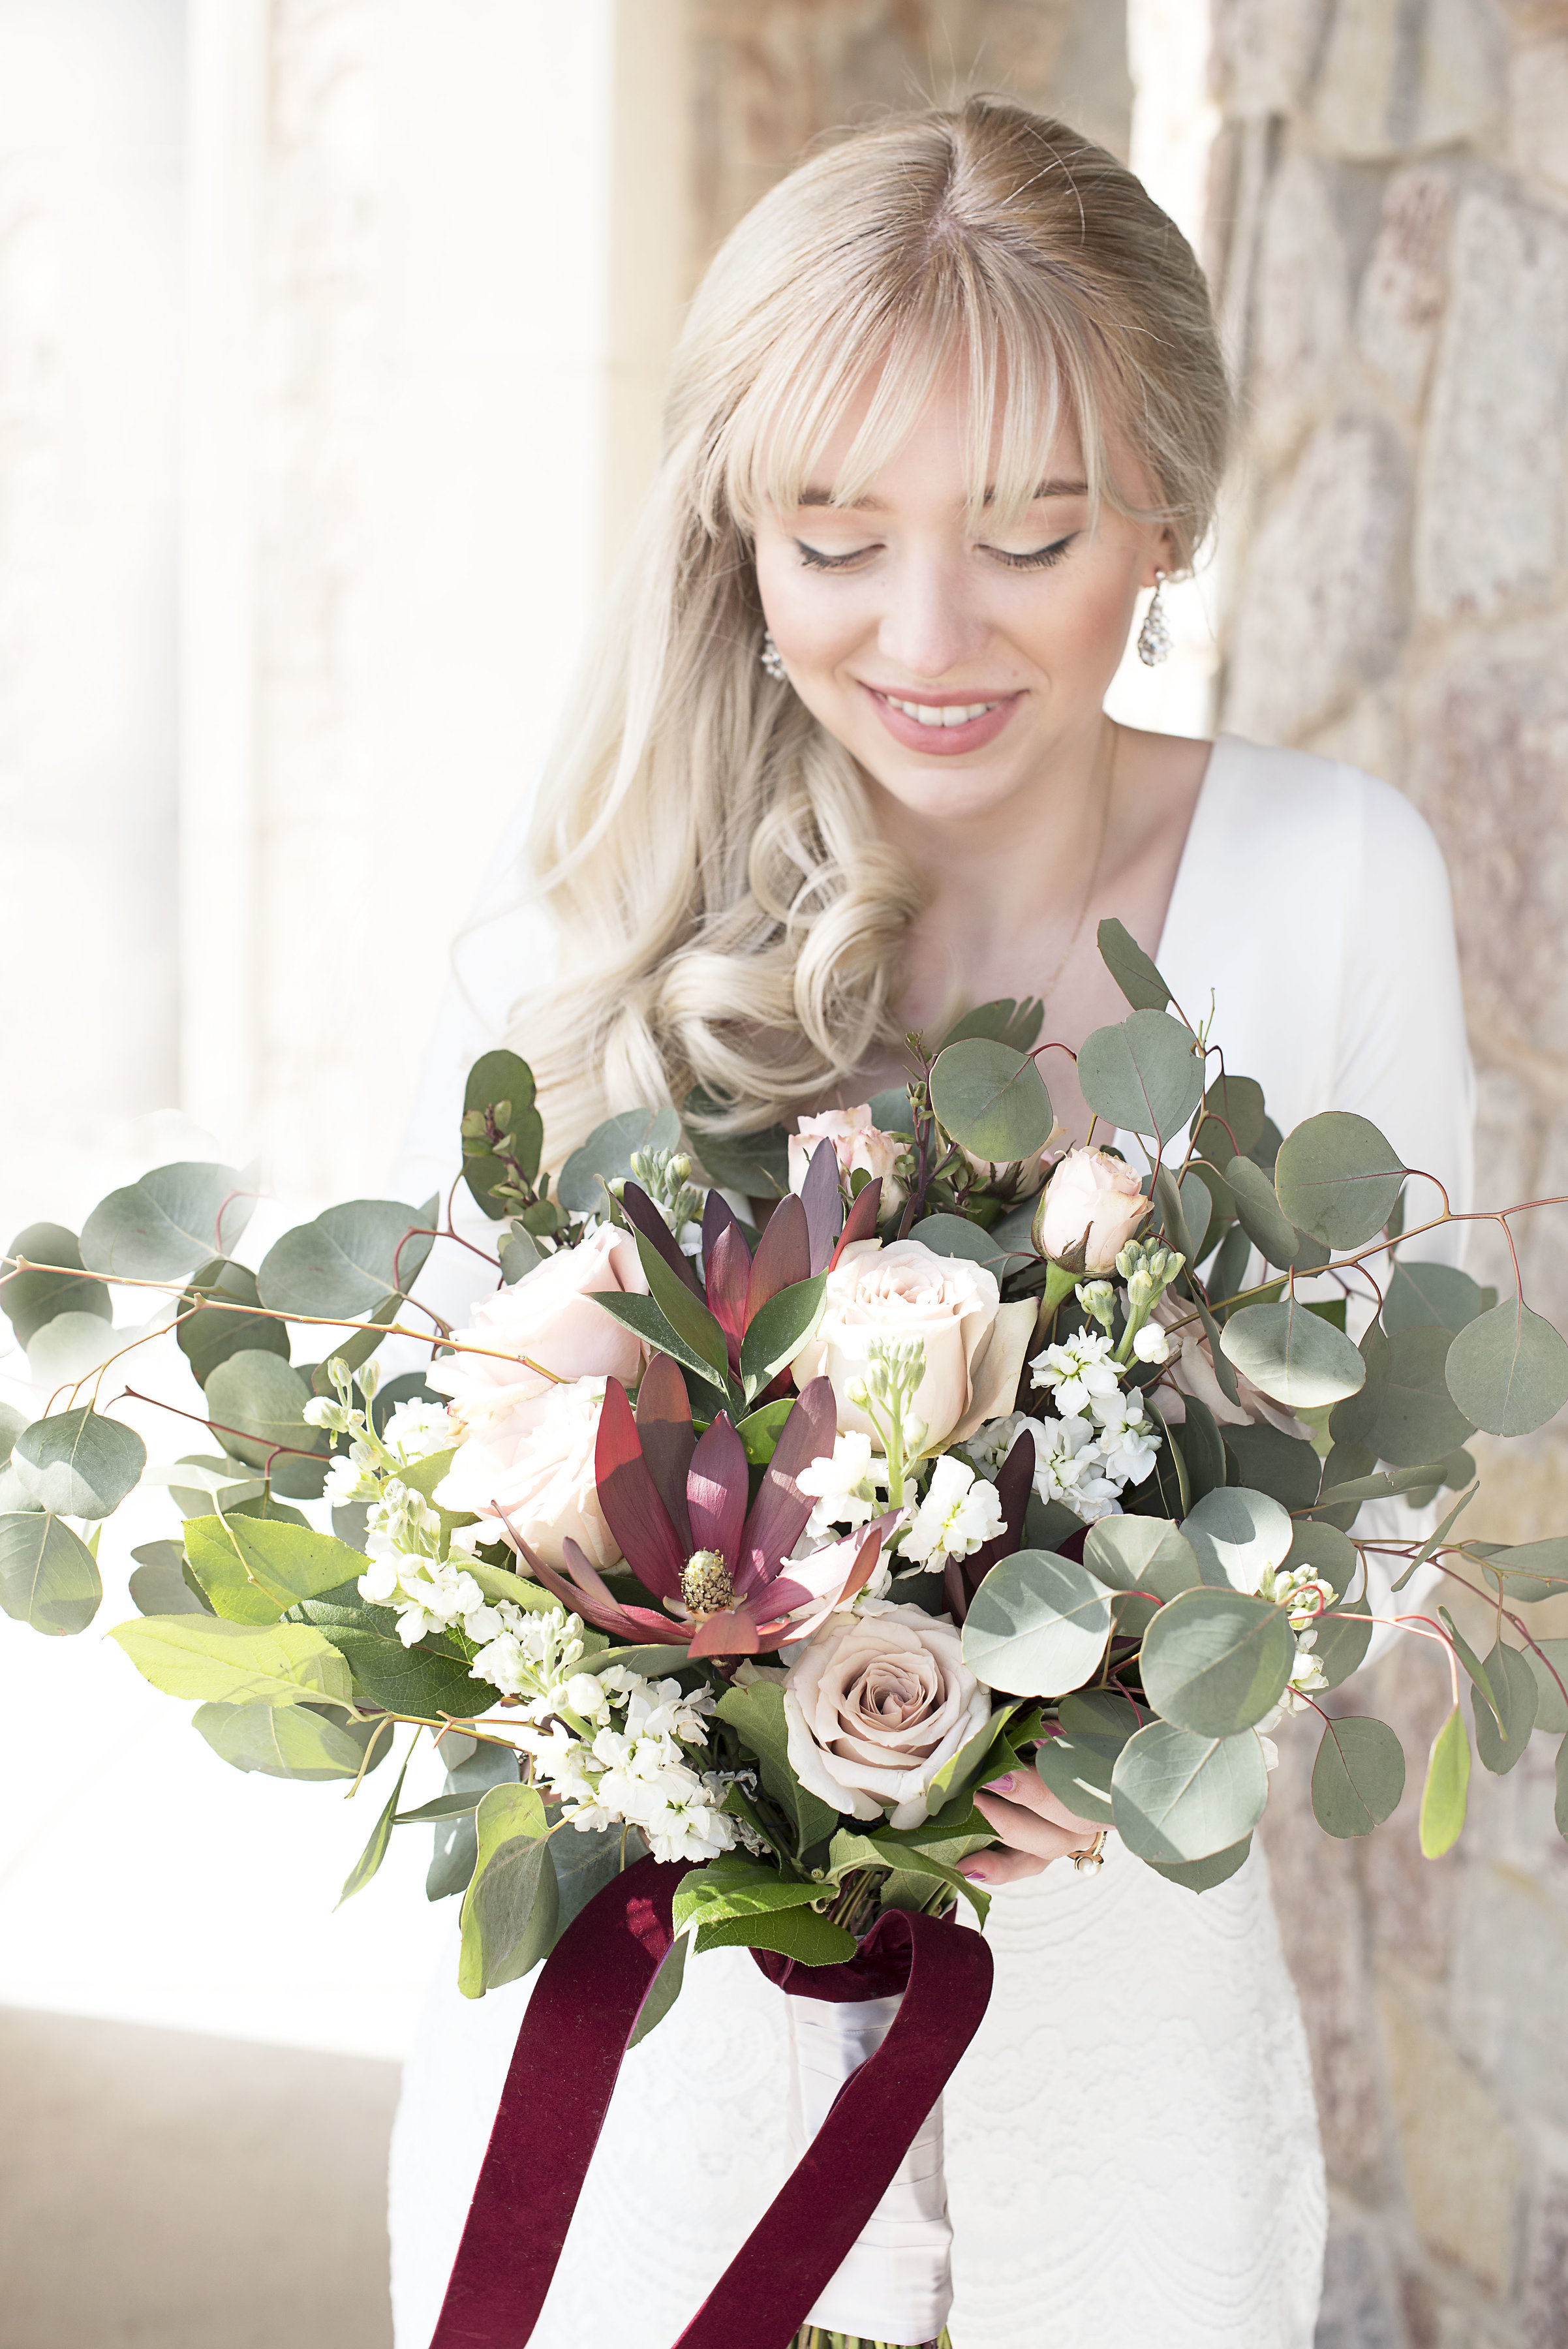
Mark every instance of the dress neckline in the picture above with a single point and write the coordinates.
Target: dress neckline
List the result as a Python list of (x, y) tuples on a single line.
[(1187, 865)]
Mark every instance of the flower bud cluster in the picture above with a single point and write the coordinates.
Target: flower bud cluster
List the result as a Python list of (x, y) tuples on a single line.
[(665, 1176)]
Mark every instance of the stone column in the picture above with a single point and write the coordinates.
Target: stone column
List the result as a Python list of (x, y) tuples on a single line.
[(1389, 233)]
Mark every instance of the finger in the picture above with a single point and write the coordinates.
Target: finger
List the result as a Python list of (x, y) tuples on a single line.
[(1027, 1787), (993, 1868), (1026, 1830)]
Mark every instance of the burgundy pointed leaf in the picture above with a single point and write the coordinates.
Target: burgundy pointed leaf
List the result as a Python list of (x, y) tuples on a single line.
[(1014, 1482), (957, 1596), (861, 1221), (644, 1218), (781, 1509), (730, 1633), (717, 1217), (716, 1488), (822, 1201), (629, 1499), (664, 1432), (782, 1257), (729, 1276)]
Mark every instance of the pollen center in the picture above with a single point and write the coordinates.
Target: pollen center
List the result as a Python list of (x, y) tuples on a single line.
[(705, 1584)]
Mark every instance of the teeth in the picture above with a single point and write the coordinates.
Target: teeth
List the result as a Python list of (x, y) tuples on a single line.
[(956, 713)]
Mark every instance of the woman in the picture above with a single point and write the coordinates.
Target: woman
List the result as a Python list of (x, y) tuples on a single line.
[(948, 402)]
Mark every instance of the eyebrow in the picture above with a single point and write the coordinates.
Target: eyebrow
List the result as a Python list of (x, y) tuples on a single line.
[(815, 497)]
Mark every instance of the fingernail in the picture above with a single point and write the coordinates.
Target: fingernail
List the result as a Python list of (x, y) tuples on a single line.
[(974, 1875), (1002, 1785)]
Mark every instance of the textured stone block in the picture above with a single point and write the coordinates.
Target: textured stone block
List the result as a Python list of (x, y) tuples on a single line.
[(1490, 769), (1544, 2300), (1321, 613), (1460, 91), (1538, 109), (1359, 2305), (1367, 70), (1400, 304), (1489, 519), (1301, 307), (1264, 53), (1511, 1966), (1462, 2164)]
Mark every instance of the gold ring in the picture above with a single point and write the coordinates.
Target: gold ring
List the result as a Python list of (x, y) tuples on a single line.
[(1092, 1856)]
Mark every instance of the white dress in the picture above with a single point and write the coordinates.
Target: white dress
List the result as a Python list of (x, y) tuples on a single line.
[(1132, 2147)]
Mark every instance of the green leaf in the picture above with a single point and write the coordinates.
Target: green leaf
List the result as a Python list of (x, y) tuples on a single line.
[(1216, 1662), (1077, 1766), (415, 1681), (665, 1988), (1338, 1178), (49, 1576), (219, 1573), (1429, 1296), (1264, 1220), (754, 1164), (736, 1885), (1444, 1796), (1294, 1356), (1507, 1370), (1203, 1449), (1359, 1776), (78, 1463), (760, 1431), (174, 1219), (520, 1252), (606, 1155), (473, 1766), (291, 1562), (1236, 1106), (1549, 1667), (1417, 1418), (158, 1586), (776, 1334), (1268, 1460), (1131, 968), (990, 1100), (501, 1081), (1340, 1640), (1237, 1535), (956, 1236), (797, 1933), (1179, 1797), (756, 1713), (1142, 1554), (32, 1298), (1037, 1626), (1144, 1076), (1324, 1551), (1529, 1570), (1353, 1420), (686, 1313), (585, 1860), (1203, 1874), (234, 1663), (349, 1264), (1513, 1683), (511, 1909), (1471, 1662), (853, 1848), (375, 1851), (972, 1764), (644, 1315), (256, 1402), (290, 1740), (1004, 1022), (209, 1333)]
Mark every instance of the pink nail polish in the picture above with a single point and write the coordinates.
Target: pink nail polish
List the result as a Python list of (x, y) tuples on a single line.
[(1002, 1785), (973, 1875)]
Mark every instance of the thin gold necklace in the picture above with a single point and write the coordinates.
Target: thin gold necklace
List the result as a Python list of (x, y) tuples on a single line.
[(1049, 989)]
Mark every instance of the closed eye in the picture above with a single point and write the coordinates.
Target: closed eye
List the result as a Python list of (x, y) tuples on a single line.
[(1041, 559), (815, 560)]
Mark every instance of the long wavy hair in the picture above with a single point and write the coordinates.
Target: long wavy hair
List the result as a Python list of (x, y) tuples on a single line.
[(728, 917)]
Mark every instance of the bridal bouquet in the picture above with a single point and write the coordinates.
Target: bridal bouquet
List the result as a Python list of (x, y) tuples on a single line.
[(752, 1523)]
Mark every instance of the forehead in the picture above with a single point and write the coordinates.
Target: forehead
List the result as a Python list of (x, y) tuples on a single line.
[(934, 464)]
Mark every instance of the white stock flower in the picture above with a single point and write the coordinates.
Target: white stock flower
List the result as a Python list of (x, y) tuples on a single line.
[(959, 1512), (1151, 1344), (847, 1487)]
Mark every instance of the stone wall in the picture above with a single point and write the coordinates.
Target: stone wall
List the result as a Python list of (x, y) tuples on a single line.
[(1389, 244)]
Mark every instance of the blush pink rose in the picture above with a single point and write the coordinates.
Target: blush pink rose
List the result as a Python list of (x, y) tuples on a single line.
[(860, 1148), (532, 1471), (1093, 1203), (876, 1704), (548, 1318)]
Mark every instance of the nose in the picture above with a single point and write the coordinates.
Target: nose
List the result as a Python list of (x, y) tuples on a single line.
[(930, 622)]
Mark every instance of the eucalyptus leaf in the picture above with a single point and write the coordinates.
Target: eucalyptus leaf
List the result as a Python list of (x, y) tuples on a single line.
[(754, 1164), (990, 1100), (1417, 1418), (158, 1585), (956, 1236), (1202, 1448), (49, 1576), (1529, 1570), (1294, 1356), (474, 1766), (1548, 1661), (375, 1851), (256, 1404), (1037, 1626), (1353, 1420), (757, 1713), (78, 1462), (1132, 969), (32, 1298), (1507, 1370), (209, 1332), (1340, 1638), (1003, 1021), (1283, 1467), (606, 1156), (349, 1264), (1144, 1076), (502, 1085), (290, 1741), (174, 1220), (1264, 1221), (1324, 1551), (1447, 1789), (1429, 1296), (1513, 1685), (1216, 1660), (665, 1988), (1338, 1178), (511, 1909), (1180, 1798), (1359, 1776), (1236, 1106), (1237, 1536), (1203, 1874), (1147, 1554)]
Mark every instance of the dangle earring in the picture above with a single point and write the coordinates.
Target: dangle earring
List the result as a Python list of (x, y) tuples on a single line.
[(1154, 637), (771, 659)]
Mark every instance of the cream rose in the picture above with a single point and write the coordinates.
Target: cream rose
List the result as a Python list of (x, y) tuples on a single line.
[(550, 1317), (876, 1704), (536, 1465), (859, 1145), (1092, 1204), (974, 1344)]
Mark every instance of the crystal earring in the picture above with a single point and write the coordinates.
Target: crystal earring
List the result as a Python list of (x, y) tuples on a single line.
[(771, 659), (1154, 637)]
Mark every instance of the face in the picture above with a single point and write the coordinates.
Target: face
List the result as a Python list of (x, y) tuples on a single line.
[(957, 665)]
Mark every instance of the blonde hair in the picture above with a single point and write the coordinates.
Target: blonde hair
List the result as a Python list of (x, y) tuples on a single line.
[(728, 917)]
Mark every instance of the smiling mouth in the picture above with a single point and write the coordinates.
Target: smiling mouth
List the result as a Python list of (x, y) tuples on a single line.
[(947, 713)]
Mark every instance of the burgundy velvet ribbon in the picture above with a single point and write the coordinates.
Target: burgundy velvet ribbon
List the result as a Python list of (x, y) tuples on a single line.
[(573, 2035)]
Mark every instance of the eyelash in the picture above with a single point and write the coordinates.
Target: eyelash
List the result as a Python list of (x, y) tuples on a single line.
[(1042, 559)]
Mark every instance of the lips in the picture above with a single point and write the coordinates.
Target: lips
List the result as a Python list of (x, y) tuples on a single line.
[(942, 729)]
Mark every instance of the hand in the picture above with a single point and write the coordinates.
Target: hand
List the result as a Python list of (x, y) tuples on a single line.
[(1035, 1827)]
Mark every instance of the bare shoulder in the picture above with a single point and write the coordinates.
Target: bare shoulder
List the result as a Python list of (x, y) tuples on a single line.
[(1159, 780)]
